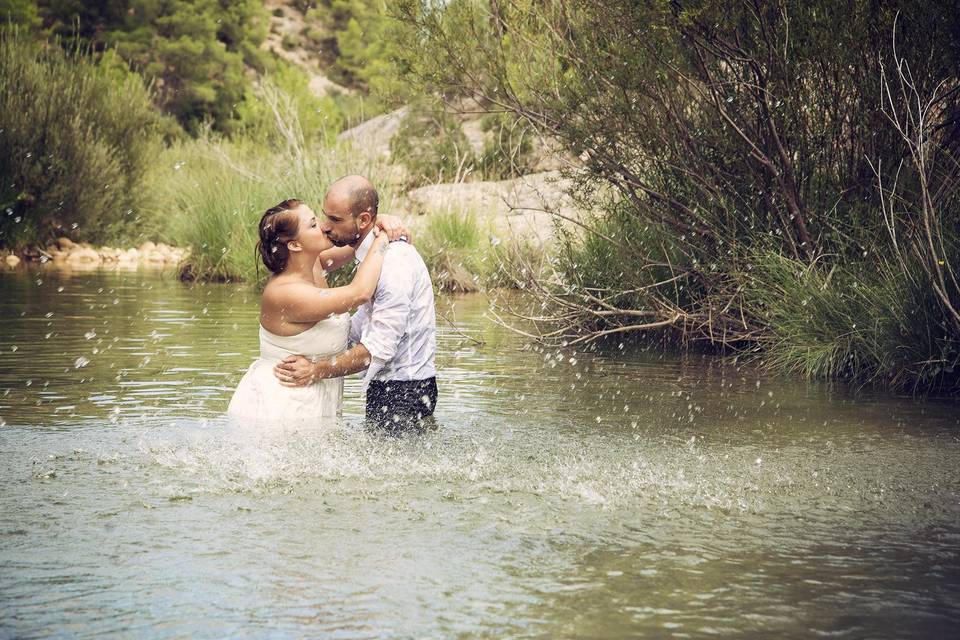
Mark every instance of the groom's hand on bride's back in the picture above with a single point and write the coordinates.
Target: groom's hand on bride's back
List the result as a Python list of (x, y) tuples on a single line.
[(295, 371)]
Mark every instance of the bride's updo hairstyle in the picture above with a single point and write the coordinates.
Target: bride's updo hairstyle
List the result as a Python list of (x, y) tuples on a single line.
[(278, 226)]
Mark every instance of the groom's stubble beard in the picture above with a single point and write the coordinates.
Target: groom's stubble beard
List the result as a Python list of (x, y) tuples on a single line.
[(340, 241)]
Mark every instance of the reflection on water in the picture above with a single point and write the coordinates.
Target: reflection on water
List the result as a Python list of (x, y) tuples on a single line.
[(565, 495)]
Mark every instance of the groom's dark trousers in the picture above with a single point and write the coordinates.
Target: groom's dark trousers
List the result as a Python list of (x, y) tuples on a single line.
[(395, 405)]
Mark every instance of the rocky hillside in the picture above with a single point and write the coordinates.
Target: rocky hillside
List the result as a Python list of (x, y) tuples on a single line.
[(518, 205)]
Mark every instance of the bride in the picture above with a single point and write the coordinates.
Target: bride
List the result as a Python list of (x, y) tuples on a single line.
[(299, 314)]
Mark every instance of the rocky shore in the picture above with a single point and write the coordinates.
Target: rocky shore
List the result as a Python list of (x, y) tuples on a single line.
[(68, 254)]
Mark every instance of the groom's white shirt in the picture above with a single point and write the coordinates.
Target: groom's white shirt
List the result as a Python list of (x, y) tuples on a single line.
[(398, 326)]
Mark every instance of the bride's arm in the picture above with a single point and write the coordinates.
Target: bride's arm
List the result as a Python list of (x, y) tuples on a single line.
[(331, 260), (302, 302)]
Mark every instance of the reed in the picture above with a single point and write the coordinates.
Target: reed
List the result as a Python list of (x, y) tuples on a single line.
[(876, 323), (212, 191)]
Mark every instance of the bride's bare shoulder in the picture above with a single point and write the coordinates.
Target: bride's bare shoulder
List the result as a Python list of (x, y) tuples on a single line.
[(280, 288)]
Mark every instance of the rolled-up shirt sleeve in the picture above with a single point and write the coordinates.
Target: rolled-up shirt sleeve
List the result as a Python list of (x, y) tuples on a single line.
[(390, 313)]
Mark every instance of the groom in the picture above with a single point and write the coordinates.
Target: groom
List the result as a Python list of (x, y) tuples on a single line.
[(393, 335)]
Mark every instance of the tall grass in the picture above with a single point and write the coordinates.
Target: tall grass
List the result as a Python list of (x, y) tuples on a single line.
[(212, 191), (456, 251), (876, 323)]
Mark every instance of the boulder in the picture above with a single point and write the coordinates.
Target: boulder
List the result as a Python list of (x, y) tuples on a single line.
[(65, 243), (12, 260)]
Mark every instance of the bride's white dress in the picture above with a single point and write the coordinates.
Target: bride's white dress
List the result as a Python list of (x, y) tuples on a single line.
[(260, 399)]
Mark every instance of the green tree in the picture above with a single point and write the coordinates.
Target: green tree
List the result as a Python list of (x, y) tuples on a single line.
[(361, 42), (20, 12), (720, 139), (194, 51)]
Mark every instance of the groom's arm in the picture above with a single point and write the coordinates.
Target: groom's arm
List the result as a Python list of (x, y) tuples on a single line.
[(297, 371), (378, 344)]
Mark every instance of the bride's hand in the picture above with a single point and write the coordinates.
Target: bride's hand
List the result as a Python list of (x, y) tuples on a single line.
[(394, 228)]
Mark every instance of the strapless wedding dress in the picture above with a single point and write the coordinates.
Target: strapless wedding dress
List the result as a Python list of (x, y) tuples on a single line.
[(261, 400)]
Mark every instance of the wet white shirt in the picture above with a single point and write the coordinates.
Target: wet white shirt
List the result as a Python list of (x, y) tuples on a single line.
[(398, 326)]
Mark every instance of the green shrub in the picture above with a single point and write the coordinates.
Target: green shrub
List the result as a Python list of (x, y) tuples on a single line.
[(77, 137), (321, 119)]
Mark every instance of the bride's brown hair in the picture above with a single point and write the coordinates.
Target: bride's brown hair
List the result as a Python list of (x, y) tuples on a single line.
[(278, 226)]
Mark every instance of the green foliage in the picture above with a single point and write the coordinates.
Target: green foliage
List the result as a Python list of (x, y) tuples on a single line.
[(19, 12), (456, 251), (320, 118), (725, 129), (871, 323), (431, 145), (361, 43), (194, 51), (464, 255), (78, 138)]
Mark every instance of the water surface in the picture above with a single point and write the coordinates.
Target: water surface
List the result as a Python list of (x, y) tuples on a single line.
[(566, 494)]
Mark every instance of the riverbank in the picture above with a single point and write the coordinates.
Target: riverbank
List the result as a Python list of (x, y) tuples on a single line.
[(67, 254)]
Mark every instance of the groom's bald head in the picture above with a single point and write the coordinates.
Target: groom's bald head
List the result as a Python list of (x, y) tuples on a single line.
[(354, 194), (350, 210)]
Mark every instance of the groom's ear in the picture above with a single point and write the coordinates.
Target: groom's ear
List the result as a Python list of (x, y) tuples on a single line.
[(364, 220)]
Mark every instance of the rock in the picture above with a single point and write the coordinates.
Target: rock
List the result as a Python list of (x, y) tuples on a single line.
[(12, 260), (65, 243), (83, 255), (517, 207), (373, 136), (147, 246)]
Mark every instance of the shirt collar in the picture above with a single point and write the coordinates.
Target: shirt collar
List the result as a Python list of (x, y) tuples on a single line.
[(364, 247)]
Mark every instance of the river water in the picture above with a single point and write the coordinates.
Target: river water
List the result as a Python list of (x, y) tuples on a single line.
[(565, 494)]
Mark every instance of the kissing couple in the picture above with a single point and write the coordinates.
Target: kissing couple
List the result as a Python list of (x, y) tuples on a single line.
[(308, 341)]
